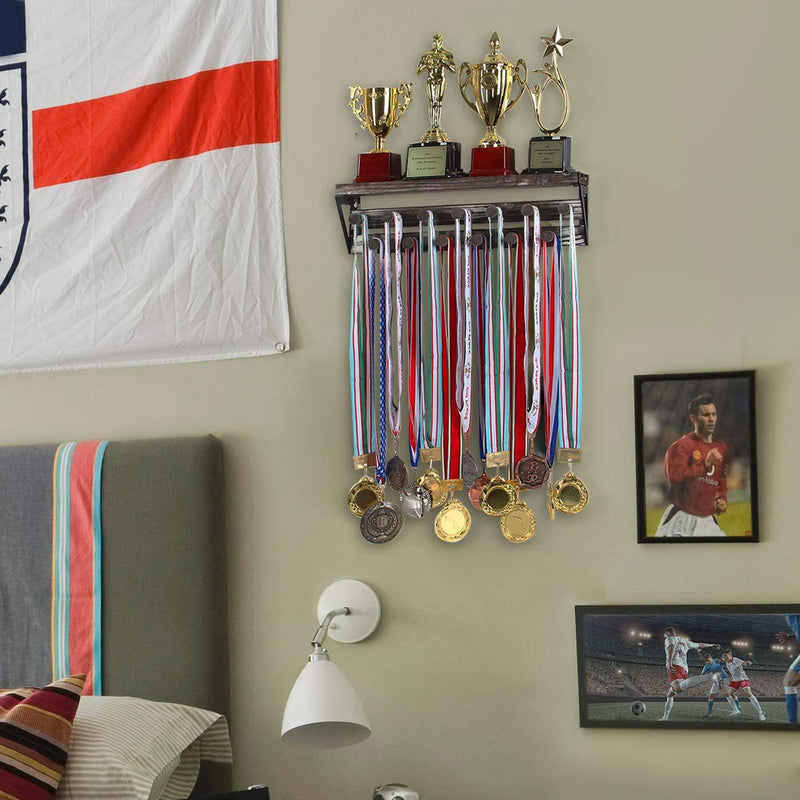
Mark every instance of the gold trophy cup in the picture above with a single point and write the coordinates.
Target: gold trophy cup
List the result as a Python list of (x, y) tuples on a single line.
[(491, 81), (378, 109)]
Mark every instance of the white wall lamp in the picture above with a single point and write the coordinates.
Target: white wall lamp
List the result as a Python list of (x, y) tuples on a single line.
[(323, 709)]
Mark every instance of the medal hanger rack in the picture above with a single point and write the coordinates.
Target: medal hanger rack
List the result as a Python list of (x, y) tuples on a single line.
[(349, 202)]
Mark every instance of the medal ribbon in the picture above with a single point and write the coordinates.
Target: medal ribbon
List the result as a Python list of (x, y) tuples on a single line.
[(480, 258), (519, 332), (413, 335), (497, 369), (383, 261), (552, 362), (451, 441), (571, 383), (533, 356), (431, 368), (361, 325), (465, 322), (395, 385)]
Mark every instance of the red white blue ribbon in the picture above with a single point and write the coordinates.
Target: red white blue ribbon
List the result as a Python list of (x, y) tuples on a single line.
[(571, 381)]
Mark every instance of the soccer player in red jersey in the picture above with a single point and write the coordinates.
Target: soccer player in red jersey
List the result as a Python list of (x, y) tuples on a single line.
[(695, 466)]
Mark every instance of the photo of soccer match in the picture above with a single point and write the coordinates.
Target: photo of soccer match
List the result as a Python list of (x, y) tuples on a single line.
[(689, 666)]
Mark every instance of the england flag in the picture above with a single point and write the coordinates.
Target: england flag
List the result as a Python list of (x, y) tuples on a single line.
[(140, 206)]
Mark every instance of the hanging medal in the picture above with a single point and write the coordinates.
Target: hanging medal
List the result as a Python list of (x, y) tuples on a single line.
[(498, 495), (532, 470), (366, 491), (518, 524), (464, 260), (479, 251), (570, 494), (453, 520), (382, 521), (552, 353), (396, 470), (430, 374), (415, 500)]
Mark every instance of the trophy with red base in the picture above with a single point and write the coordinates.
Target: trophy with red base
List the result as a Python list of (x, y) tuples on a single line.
[(492, 82), (379, 109)]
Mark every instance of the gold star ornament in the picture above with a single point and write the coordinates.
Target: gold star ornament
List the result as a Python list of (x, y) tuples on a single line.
[(555, 43)]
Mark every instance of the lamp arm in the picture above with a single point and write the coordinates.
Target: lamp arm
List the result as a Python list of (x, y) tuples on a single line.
[(322, 631)]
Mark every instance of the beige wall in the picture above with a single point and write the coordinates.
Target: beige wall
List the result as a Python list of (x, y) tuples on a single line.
[(685, 116)]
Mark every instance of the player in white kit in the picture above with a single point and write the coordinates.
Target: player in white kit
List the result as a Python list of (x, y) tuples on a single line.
[(740, 682), (676, 648)]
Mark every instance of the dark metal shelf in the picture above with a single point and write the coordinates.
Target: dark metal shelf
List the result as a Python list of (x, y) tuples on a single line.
[(349, 200)]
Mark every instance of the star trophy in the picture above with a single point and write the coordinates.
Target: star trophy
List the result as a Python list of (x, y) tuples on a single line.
[(378, 109), (551, 152), (492, 81), (435, 156)]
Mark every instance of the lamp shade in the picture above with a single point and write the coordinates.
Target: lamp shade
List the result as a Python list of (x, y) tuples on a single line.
[(323, 709)]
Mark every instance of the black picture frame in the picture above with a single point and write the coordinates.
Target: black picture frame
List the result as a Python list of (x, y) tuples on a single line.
[(622, 661), (677, 512)]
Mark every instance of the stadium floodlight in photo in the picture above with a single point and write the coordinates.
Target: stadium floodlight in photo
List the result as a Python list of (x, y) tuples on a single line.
[(696, 478), (689, 673)]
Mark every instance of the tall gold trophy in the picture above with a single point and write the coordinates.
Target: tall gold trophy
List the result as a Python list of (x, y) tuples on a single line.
[(551, 152), (435, 156), (492, 83), (378, 109)]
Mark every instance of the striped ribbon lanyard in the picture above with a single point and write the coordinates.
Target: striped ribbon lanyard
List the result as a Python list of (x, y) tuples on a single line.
[(362, 310), (533, 352), (413, 336), (496, 397), (394, 350), (383, 329), (552, 362), (480, 257), (465, 323), (431, 375), (451, 436), (571, 382)]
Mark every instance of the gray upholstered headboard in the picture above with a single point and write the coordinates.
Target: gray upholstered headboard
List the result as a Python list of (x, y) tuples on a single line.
[(163, 568)]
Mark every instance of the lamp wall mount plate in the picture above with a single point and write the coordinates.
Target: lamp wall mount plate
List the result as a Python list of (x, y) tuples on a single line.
[(364, 605)]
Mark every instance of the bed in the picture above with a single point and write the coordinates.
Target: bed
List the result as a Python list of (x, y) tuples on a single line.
[(164, 610)]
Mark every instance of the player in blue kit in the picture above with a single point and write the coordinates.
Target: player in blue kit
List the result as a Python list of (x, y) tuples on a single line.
[(791, 680), (713, 666)]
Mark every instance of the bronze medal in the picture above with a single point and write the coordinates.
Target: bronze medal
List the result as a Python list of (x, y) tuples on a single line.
[(519, 524), (469, 469), (570, 494), (453, 521), (397, 473), (415, 501), (363, 494), (381, 522), (497, 497), (431, 481), (477, 488), (532, 471)]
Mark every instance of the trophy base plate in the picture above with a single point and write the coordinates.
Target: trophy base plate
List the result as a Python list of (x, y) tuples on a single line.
[(434, 160), (492, 161), (549, 154), (373, 167)]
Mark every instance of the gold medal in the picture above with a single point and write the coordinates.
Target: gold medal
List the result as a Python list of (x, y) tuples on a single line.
[(497, 497), (570, 494), (364, 493), (519, 524), (431, 481), (453, 521)]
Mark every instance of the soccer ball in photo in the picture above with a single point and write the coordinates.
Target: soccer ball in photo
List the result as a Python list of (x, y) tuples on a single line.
[(638, 708)]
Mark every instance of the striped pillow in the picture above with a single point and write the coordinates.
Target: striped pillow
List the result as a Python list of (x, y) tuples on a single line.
[(35, 729)]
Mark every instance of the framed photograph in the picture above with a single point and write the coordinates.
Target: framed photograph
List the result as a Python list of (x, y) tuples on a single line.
[(696, 457), (727, 666)]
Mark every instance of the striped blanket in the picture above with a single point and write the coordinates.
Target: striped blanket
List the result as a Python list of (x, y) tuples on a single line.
[(50, 576)]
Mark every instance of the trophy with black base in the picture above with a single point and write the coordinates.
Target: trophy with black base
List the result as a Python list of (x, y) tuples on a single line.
[(435, 156), (551, 152)]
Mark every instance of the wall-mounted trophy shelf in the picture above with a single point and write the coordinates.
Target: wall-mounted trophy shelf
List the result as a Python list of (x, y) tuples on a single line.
[(552, 193)]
